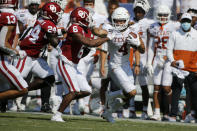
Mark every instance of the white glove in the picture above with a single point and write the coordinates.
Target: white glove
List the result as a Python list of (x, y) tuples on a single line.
[(149, 69), (58, 50), (133, 41), (180, 64), (111, 35), (22, 54)]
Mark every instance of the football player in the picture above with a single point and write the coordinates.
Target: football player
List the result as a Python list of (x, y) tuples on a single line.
[(9, 74), (119, 66), (141, 8), (73, 49), (43, 33), (158, 35)]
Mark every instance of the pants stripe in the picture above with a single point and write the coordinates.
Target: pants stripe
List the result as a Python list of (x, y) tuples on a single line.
[(11, 74), (65, 71), (63, 75)]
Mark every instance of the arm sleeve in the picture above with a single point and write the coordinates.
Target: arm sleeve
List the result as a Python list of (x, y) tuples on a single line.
[(170, 47), (150, 50)]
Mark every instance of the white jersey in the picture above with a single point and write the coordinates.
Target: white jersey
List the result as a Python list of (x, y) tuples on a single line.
[(142, 26), (119, 50), (63, 24), (98, 19), (108, 27), (160, 35), (24, 16)]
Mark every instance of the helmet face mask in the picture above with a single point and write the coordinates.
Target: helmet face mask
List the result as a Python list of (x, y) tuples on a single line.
[(163, 14), (33, 6), (120, 18)]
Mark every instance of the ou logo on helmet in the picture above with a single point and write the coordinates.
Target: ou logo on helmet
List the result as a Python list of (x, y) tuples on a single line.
[(82, 14), (53, 8)]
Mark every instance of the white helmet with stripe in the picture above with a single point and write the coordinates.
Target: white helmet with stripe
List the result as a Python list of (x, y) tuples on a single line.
[(120, 13), (163, 14)]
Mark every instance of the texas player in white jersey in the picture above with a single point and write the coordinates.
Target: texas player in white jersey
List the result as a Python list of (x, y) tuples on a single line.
[(158, 34), (27, 18), (73, 49), (141, 8), (119, 66)]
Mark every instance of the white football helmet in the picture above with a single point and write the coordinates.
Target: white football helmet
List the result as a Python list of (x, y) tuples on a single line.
[(61, 3), (163, 14), (34, 2), (120, 14), (144, 4)]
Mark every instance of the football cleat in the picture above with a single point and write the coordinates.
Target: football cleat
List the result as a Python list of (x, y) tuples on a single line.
[(57, 117)]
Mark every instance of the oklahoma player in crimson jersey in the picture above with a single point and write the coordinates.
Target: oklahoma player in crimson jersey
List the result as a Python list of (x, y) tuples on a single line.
[(13, 83), (73, 49), (43, 33)]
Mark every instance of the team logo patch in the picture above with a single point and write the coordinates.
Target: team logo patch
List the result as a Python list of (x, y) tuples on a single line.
[(81, 14)]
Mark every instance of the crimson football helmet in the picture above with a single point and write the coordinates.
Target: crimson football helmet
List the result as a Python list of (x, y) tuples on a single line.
[(80, 16), (52, 11)]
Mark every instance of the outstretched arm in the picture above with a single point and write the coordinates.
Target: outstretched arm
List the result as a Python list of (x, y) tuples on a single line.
[(87, 41)]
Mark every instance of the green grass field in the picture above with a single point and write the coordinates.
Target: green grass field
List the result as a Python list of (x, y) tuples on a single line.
[(41, 122)]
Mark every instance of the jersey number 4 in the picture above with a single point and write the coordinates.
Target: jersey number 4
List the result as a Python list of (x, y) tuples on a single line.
[(124, 49)]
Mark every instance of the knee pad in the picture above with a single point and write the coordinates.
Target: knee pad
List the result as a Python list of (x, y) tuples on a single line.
[(49, 80)]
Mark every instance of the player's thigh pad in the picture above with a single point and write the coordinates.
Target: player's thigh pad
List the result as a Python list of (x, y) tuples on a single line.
[(24, 65), (157, 76), (41, 68), (83, 83), (122, 76), (68, 76), (167, 75), (9, 74)]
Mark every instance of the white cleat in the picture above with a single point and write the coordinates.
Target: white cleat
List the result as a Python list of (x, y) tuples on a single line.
[(57, 118), (108, 116), (156, 118), (189, 119)]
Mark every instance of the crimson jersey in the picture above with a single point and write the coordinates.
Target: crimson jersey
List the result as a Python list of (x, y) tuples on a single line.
[(37, 40), (8, 19), (8, 3), (74, 51)]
